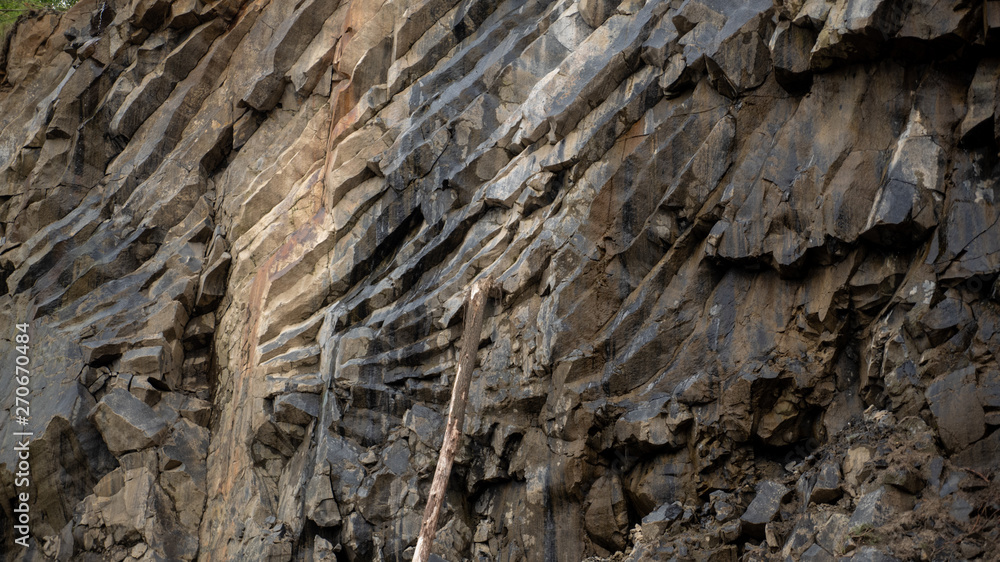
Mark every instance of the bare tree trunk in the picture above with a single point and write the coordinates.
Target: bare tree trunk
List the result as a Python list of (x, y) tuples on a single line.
[(474, 313)]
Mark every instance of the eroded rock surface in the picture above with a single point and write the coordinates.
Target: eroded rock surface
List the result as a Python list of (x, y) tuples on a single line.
[(747, 251)]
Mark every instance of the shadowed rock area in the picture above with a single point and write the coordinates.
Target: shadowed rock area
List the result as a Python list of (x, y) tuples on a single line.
[(747, 256)]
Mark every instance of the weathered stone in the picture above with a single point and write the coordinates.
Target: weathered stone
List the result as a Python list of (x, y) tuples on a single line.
[(607, 514), (659, 520), (696, 389), (959, 508), (989, 389), (722, 506), (594, 12), (279, 384), (872, 554), (982, 454), (791, 46), (321, 506), (296, 408), (718, 228), (875, 508), (970, 549), (144, 361), (827, 488), (956, 408), (660, 422), (855, 30), (944, 29), (426, 424), (742, 60), (147, 389), (856, 465), (126, 423), (198, 332), (658, 481), (831, 531), (183, 477), (764, 507), (211, 287), (771, 537), (801, 537), (184, 15), (982, 102), (816, 553), (905, 478)]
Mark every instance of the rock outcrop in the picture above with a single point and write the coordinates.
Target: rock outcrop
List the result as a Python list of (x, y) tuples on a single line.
[(747, 251)]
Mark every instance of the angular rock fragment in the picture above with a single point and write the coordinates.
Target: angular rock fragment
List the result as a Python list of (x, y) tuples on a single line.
[(875, 508), (906, 478), (764, 507), (827, 488), (198, 332), (296, 408), (144, 361), (321, 506), (956, 408), (147, 389), (831, 531), (979, 119), (791, 46), (126, 423), (855, 30), (816, 553), (594, 12), (660, 519)]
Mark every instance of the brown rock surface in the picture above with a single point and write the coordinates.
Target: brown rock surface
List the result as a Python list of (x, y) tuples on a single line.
[(748, 257)]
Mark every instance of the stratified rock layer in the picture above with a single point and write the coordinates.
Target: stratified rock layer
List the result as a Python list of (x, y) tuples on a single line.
[(747, 253)]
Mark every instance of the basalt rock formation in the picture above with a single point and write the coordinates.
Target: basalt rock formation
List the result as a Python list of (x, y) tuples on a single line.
[(747, 256)]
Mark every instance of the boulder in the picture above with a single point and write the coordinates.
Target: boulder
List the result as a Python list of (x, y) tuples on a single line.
[(127, 423), (764, 507), (957, 411), (827, 488), (607, 514), (875, 508)]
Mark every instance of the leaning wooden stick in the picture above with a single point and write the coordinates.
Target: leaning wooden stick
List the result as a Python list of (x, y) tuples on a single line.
[(474, 313)]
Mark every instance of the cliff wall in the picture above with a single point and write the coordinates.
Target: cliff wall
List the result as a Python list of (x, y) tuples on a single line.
[(747, 256)]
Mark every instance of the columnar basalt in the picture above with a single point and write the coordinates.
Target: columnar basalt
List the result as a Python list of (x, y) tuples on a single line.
[(746, 255)]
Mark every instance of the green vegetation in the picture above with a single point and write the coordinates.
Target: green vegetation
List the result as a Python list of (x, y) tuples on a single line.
[(10, 10)]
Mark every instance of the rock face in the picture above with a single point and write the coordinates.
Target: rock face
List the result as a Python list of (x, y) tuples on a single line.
[(747, 255)]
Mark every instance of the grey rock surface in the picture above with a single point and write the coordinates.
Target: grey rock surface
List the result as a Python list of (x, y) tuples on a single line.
[(747, 257)]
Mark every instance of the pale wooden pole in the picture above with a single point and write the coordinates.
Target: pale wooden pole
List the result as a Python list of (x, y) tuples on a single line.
[(474, 314)]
